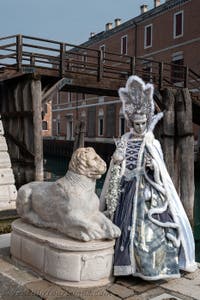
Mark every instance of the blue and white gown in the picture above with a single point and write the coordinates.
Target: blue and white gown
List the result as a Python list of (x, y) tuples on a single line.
[(156, 238)]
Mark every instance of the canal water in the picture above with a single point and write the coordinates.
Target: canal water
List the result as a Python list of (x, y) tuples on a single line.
[(55, 167)]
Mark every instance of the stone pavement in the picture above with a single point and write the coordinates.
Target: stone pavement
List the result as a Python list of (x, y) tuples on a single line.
[(21, 284)]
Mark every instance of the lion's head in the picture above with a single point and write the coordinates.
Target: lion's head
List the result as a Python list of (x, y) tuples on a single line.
[(86, 161)]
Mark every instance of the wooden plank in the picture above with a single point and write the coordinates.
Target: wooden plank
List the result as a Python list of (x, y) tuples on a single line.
[(19, 144), (56, 87), (110, 120), (16, 114), (37, 121), (168, 102), (79, 135), (19, 51), (186, 150)]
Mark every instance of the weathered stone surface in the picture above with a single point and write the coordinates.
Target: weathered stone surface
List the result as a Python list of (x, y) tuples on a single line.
[(31, 297), (8, 191), (87, 292), (1, 128), (5, 240), (3, 145), (15, 243), (12, 289), (109, 297), (69, 297), (5, 266), (128, 281), (193, 275), (6, 176), (143, 287), (60, 259), (73, 206), (148, 295), (136, 283), (46, 290), (29, 250), (8, 194), (19, 276), (120, 291), (166, 297), (4, 160), (185, 287)]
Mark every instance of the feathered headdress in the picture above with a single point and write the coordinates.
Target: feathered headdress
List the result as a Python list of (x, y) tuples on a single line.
[(137, 99)]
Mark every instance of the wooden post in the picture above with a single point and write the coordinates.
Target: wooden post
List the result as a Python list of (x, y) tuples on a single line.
[(62, 59), (169, 131), (79, 135), (186, 74), (132, 65), (186, 150), (32, 59), (19, 51), (160, 75), (37, 122)]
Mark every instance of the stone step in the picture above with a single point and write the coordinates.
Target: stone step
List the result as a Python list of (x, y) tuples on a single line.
[(1, 128), (3, 145), (4, 160), (7, 193), (6, 176)]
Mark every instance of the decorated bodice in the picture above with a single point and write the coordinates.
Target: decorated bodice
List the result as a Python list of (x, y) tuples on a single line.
[(132, 151)]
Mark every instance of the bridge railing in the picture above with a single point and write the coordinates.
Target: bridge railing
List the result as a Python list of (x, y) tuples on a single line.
[(20, 53), (8, 53)]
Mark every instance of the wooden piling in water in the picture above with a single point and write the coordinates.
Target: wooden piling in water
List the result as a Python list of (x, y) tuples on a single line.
[(178, 144), (37, 125), (79, 135), (169, 132), (185, 146)]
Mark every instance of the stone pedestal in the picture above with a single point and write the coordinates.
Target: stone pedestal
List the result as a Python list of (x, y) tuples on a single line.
[(8, 192), (60, 259)]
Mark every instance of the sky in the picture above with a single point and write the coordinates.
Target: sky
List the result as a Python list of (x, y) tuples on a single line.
[(64, 20)]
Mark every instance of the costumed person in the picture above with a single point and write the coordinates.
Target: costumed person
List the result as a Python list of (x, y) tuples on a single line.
[(156, 237)]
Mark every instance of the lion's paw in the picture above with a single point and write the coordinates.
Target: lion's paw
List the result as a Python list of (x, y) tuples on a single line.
[(111, 230)]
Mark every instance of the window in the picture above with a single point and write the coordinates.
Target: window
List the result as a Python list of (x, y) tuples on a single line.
[(177, 69), (44, 125), (58, 127), (101, 122), (84, 60), (124, 45), (58, 97), (148, 36), (69, 127), (102, 50), (100, 133), (178, 24), (69, 96)]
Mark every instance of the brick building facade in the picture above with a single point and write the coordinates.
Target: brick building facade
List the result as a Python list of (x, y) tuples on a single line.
[(169, 32)]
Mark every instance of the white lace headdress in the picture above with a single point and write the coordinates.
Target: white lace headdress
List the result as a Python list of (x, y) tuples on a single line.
[(137, 99)]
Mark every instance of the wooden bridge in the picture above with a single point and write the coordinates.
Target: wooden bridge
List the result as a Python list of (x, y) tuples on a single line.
[(88, 69), (31, 69)]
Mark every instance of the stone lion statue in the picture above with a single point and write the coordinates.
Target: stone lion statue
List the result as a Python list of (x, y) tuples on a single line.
[(69, 204)]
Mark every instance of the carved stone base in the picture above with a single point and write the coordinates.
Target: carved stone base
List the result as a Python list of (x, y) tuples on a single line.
[(60, 259)]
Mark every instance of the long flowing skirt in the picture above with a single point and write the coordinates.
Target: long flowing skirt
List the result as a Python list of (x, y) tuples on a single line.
[(143, 249)]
